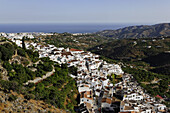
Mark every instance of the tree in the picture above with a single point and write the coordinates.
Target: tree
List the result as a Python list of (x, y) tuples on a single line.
[(0, 55), (21, 52), (7, 65), (6, 53), (23, 42), (73, 70)]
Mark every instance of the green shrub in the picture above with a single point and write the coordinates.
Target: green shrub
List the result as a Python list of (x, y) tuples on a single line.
[(21, 52), (7, 65)]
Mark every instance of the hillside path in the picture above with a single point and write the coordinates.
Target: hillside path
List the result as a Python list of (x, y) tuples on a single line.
[(38, 79)]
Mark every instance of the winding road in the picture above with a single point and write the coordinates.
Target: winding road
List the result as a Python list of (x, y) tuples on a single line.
[(38, 79)]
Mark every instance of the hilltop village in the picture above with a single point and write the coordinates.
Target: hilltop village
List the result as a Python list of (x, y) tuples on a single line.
[(97, 92)]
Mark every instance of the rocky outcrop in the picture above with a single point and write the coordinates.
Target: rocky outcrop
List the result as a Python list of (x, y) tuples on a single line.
[(3, 73), (13, 102)]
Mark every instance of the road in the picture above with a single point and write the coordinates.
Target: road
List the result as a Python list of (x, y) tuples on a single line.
[(38, 79)]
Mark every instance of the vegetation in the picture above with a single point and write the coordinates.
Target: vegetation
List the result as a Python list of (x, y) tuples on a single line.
[(162, 70), (21, 52), (33, 55), (155, 84), (127, 49), (161, 62), (59, 89), (115, 78), (161, 59), (73, 70), (84, 41), (6, 51), (146, 55), (23, 43), (10, 85)]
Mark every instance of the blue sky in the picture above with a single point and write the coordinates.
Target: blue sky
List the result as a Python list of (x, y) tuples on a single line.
[(84, 11)]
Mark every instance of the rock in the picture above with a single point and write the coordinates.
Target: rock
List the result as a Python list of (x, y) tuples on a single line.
[(23, 105)]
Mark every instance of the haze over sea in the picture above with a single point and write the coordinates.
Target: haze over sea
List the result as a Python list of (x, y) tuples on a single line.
[(59, 28)]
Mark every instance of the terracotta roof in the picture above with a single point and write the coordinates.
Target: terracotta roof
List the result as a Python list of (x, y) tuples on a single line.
[(103, 79), (128, 108), (159, 96), (86, 85), (85, 95), (107, 100), (75, 49)]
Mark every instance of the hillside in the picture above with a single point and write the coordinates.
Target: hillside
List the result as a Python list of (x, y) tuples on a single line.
[(143, 31), (161, 62), (132, 48), (47, 80), (13, 102), (161, 59), (147, 53), (81, 41)]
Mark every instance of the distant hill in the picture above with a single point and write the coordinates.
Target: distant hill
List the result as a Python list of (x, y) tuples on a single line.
[(142, 31), (132, 48)]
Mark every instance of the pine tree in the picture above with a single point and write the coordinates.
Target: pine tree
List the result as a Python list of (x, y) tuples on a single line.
[(23, 43)]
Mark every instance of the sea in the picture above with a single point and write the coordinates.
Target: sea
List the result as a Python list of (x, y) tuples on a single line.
[(59, 28)]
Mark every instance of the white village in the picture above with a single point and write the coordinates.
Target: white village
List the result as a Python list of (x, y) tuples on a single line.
[(97, 92)]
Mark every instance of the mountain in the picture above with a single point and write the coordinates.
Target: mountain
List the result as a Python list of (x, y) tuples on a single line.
[(142, 31)]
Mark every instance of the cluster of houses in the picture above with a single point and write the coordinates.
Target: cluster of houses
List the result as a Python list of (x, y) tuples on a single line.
[(21, 35), (135, 99), (97, 92), (93, 85), (17, 35)]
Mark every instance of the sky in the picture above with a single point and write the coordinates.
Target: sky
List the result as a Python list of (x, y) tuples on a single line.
[(84, 11)]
